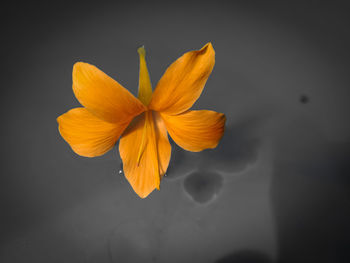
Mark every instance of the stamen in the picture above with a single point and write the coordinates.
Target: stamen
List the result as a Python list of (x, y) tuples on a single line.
[(155, 151), (143, 140), (149, 136)]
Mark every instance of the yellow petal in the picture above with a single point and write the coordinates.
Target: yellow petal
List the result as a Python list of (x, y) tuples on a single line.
[(145, 86), (88, 135), (103, 96), (146, 134), (196, 130), (183, 82)]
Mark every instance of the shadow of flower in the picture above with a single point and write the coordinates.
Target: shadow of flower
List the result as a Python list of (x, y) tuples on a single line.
[(237, 149), (203, 186)]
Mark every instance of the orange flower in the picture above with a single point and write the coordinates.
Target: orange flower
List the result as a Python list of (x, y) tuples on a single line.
[(110, 111)]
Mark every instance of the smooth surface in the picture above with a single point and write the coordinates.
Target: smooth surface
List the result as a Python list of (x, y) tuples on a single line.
[(276, 187)]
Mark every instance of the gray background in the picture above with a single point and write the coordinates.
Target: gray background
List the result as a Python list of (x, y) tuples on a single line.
[(275, 190)]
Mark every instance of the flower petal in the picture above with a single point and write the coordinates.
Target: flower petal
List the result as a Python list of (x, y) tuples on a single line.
[(147, 135), (183, 81), (103, 96), (88, 135), (145, 86), (196, 130)]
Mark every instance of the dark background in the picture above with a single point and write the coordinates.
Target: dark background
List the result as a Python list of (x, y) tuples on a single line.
[(275, 190)]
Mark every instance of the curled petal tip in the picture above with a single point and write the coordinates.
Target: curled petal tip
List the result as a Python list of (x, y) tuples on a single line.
[(208, 45), (141, 50)]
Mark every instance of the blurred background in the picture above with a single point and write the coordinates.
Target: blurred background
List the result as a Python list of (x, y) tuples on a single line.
[(276, 189)]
